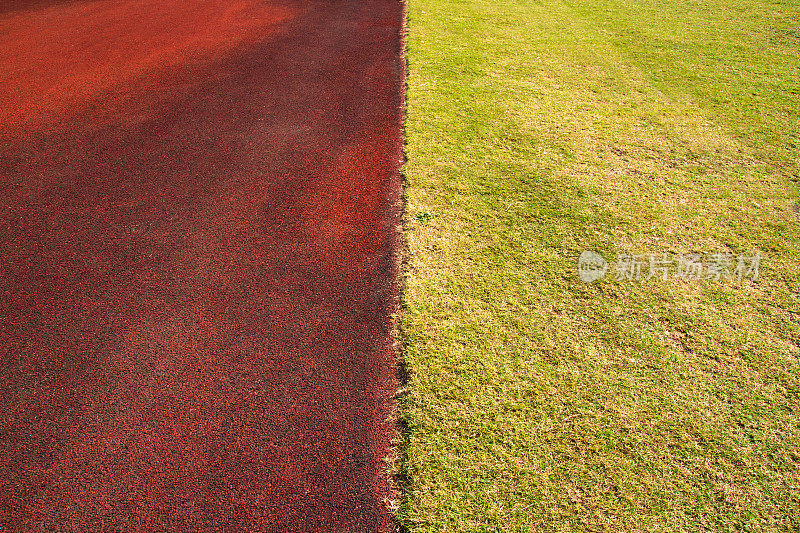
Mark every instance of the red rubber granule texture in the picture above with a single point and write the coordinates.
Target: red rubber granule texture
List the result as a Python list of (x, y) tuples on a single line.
[(198, 263)]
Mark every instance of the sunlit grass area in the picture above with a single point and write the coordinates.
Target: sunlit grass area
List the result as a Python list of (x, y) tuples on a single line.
[(538, 130)]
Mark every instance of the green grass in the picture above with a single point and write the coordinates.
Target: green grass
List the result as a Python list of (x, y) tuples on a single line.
[(537, 130)]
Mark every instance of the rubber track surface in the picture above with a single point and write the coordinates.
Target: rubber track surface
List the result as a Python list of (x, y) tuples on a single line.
[(197, 263)]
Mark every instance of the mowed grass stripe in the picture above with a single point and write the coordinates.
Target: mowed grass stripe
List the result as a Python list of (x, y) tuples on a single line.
[(537, 130)]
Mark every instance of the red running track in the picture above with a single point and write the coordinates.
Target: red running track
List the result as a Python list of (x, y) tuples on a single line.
[(198, 263)]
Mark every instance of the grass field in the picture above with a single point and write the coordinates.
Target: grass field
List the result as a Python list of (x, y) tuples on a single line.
[(540, 129)]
